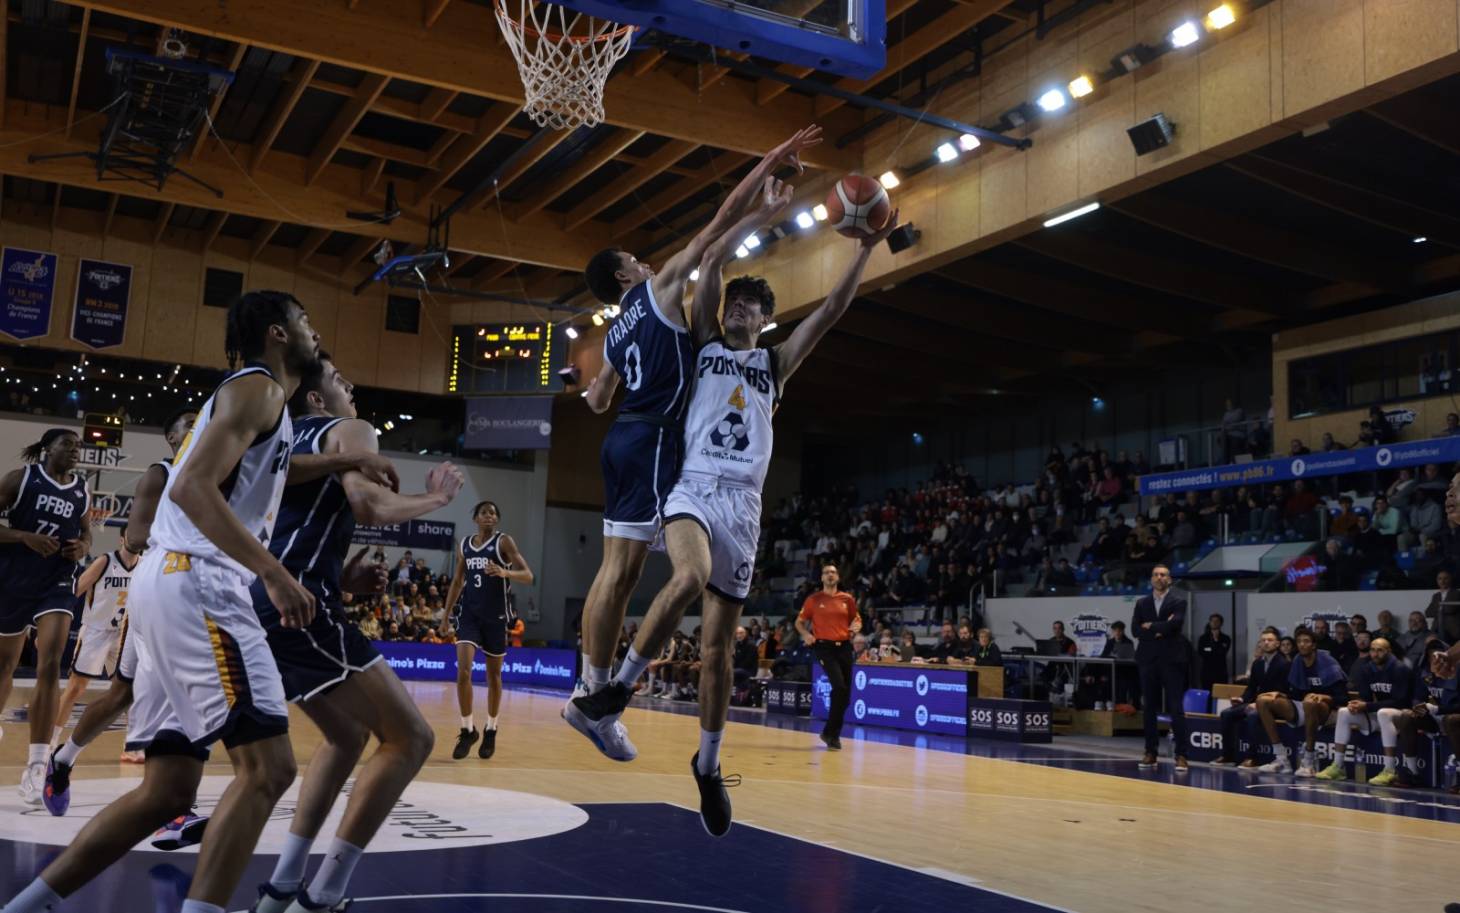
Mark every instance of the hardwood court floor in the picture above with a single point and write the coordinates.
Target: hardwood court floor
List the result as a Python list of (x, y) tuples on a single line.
[(1064, 838)]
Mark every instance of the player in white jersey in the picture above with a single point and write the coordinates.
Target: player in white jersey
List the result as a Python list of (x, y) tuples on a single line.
[(713, 514), (205, 673), (103, 589)]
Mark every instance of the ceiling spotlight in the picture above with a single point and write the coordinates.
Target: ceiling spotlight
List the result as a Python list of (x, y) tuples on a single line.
[(1184, 34), (572, 332), (888, 180), (406, 417), (694, 275), (1081, 86), (819, 213), (742, 252), (804, 220), (968, 142), (751, 242), (1420, 239), (1051, 101), (1072, 214), (947, 152), (1019, 115), (598, 318), (389, 425), (1221, 17), (611, 311)]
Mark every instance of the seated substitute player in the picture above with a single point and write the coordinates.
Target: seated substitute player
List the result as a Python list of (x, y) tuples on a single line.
[(481, 590), (329, 668), (1383, 684), (1269, 674), (1435, 710), (103, 591), (1316, 685), (713, 513), (649, 348)]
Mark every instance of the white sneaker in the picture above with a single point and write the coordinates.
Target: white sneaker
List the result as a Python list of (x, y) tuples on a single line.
[(580, 689), (1305, 767), (608, 735), (31, 783), (1278, 765)]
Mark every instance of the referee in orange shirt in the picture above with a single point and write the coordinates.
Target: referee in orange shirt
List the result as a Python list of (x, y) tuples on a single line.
[(827, 622)]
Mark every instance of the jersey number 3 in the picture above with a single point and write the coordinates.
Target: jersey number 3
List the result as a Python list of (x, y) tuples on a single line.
[(633, 367)]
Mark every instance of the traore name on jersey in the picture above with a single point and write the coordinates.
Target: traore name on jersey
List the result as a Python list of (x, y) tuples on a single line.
[(652, 355)]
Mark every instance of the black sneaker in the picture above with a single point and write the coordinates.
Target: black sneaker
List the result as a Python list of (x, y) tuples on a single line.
[(489, 743), (1403, 778), (464, 742), (610, 699), (833, 743), (714, 801)]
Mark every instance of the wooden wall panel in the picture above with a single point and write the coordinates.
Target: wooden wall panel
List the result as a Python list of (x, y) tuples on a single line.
[(359, 328), (1323, 51), (1399, 34), (1236, 91)]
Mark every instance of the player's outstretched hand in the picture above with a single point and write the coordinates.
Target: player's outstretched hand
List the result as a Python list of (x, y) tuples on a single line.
[(74, 550), (379, 470), (294, 602), (445, 480), (871, 241), (774, 196), (361, 577), (789, 152), (45, 546)]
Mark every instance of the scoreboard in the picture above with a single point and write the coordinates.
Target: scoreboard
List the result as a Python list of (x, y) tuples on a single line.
[(506, 358)]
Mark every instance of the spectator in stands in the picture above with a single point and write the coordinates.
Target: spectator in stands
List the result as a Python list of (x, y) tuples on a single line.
[(1329, 445), (1107, 490), (1118, 645), (1362, 641), (1064, 575), (1383, 684), (1433, 482), (1435, 709), (1345, 650), (1427, 564), (1298, 511), (1267, 675), (1340, 572), (1234, 432), (1297, 448), (1213, 648), (947, 646), (887, 647), (908, 648), (861, 652), (1347, 521), (1316, 685), (1380, 426), (1443, 612), (987, 652), (1358, 622), (1415, 637), (1183, 532), (1452, 425), (1288, 647), (1321, 637), (1387, 522), (1426, 520), (1401, 490), (966, 647), (1386, 629), (1063, 645), (1158, 624)]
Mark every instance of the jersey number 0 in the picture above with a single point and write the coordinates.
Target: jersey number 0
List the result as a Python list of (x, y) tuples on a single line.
[(633, 367)]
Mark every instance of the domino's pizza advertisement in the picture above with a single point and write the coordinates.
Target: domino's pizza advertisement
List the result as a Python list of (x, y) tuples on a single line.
[(538, 666)]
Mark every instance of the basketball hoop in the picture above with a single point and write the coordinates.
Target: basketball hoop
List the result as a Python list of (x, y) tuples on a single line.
[(564, 58)]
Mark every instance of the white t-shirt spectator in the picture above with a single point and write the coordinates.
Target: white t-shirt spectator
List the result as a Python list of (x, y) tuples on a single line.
[(825, 545), (940, 533)]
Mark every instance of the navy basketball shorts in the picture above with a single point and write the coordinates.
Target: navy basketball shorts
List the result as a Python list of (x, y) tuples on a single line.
[(315, 659), (482, 631), (640, 463), (18, 613)]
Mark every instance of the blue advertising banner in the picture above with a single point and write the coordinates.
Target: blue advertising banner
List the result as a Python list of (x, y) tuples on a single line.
[(103, 290), (523, 666), (1339, 462), (509, 423), (412, 534), (920, 697), (27, 287)]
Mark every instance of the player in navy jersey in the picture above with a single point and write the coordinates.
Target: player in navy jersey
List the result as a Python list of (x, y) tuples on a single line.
[(1316, 686), (1383, 684), (648, 348), (47, 533), (204, 672), (1435, 709), (329, 668), (487, 566)]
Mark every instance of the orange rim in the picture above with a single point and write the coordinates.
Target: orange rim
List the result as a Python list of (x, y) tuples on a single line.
[(558, 36)]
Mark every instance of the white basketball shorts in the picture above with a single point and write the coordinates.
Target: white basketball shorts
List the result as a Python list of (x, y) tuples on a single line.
[(96, 650), (730, 516)]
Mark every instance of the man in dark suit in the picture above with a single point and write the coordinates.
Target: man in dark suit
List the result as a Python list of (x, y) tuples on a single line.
[(1269, 672), (1162, 655), (1443, 612)]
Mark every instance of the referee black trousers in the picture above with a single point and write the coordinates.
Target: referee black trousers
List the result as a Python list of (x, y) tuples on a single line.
[(835, 657)]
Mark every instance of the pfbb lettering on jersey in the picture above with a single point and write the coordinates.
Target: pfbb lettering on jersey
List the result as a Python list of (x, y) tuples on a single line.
[(52, 504)]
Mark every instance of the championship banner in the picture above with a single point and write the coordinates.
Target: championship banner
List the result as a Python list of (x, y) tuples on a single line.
[(546, 668), (103, 290), (413, 534), (509, 423), (1340, 462), (27, 287)]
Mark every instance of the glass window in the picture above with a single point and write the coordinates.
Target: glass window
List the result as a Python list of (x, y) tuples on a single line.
[(1352, 379)]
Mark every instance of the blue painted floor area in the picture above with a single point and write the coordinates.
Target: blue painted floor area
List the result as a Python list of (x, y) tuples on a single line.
[(1118, 757), (669, 861)]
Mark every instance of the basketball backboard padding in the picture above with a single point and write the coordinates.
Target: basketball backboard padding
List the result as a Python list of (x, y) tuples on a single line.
[(845, 37)]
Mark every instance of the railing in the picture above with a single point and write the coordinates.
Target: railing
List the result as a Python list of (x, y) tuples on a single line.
[(1031, 660)]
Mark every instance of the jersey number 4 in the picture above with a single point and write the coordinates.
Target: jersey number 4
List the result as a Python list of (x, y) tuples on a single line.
[(633, 367), (737, 399)]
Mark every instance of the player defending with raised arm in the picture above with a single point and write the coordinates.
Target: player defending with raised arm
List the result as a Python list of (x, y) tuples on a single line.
[(330, 668), (204, 670), (713, 513), (649, 348)]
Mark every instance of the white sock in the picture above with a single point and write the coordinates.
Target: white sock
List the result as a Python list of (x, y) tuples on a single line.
[(36, 898), (633, 667), (709, 751), (329, 883), (597, 676), (491, 723), (56, 734), (289, 870), (466, 723), (197, 906), (587, 664), (68, 753), (1390, 762), (38, 753)]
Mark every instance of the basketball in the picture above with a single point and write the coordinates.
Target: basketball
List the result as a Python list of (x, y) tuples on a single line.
[(857, 206)]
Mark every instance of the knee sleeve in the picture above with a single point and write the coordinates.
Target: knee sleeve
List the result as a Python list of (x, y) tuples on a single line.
[(1388, 731), (1343, 727)]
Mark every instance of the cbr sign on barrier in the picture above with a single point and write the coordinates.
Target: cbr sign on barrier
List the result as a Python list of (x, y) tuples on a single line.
[(538, 666)]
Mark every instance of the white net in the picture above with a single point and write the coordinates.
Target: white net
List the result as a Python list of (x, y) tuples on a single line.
[(564, 58)]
